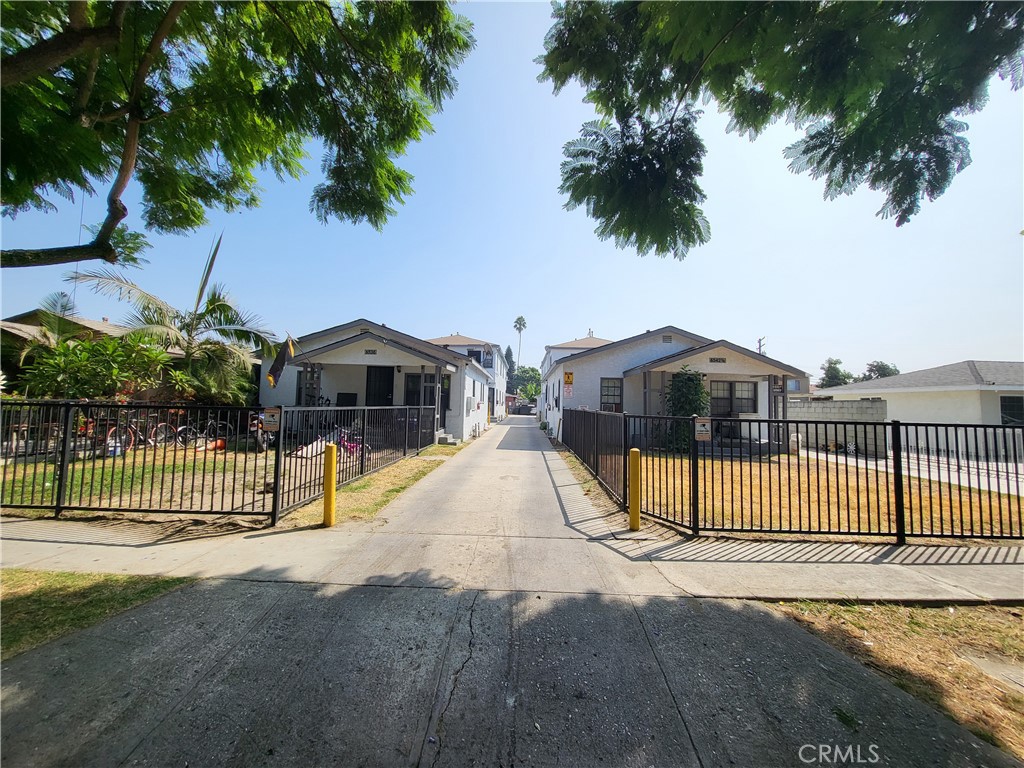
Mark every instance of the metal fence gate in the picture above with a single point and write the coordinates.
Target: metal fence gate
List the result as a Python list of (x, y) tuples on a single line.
[(191, 459), (886, 479)]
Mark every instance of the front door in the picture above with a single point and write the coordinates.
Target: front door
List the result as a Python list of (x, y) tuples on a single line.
[(380, 384)]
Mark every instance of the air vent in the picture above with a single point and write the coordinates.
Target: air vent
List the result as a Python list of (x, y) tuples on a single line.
[(667, 338)]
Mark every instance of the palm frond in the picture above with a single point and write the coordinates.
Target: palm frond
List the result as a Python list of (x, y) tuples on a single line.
[(55, 310), (107, 282), (207, 271)]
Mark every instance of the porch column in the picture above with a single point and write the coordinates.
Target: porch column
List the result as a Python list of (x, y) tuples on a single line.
[(437, 399)]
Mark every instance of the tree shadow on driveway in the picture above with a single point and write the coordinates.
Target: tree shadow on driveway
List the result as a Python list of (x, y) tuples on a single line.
[(258, 672)]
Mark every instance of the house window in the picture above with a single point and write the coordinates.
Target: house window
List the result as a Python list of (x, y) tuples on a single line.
[(729, 397), (412, 388), (744, 396), (611, 395), (1011, 410), (474, 387)]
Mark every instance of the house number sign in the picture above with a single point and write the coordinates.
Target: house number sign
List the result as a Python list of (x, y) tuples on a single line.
[(369, 351), (716, 359)]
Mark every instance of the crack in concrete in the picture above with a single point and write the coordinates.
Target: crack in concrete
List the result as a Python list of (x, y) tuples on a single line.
[(455, 682), (668, 685)]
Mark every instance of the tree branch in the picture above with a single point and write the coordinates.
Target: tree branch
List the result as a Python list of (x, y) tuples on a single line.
[(38, 257), (116, 210), (49, 54), (78, 14)]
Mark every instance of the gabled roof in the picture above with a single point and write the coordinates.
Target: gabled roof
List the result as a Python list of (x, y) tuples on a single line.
[(968, 374), (366, 326), (21, 330), (436, 359), (680, 357), (587, 342), (668, 329), (30, 319), (457, 340)]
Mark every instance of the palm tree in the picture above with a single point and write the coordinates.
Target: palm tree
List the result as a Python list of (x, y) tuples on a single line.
[(56, 315), (520, 326), (215, 337)]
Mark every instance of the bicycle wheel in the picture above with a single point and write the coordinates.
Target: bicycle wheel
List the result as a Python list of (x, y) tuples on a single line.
[(186, 436), (162, 434), (120, 439), (220, 429)]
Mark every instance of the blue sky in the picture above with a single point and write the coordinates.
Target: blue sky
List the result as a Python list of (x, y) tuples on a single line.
[(485, 239)]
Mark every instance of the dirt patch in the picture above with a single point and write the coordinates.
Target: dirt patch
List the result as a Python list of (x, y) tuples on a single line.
[(926, 651)]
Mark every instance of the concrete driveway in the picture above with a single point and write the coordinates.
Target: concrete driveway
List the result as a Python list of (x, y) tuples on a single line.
[(491, 616)]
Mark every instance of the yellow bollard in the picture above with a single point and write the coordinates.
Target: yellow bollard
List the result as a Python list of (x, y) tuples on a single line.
[(330, 478), (634, 489)]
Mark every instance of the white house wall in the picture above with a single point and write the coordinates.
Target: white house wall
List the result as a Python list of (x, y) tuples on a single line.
[(461, 424), (284, 392), (499, 373), (948, 407)]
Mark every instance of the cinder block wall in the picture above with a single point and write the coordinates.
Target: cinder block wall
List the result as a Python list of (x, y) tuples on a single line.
[(870, 441)]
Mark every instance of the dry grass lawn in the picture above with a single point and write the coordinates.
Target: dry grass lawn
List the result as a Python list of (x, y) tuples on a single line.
[(365, 497), (791, 492), (921, 651)]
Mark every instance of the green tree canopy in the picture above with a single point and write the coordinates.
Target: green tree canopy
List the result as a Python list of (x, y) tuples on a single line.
[(191, 98), (510, 361), (832, 375), (686, 395), (879, 370), (525, 379), (877, 88)]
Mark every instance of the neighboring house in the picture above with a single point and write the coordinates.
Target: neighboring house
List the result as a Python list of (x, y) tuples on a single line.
[(491, 359), (632, 375), (969, 392), (18, 331), (362, 363)]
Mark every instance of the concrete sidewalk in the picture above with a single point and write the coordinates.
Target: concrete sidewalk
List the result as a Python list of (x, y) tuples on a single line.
[(492, 615), (507, 514)]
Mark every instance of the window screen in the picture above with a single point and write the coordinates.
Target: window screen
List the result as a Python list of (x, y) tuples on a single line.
[(1011, 410), (611, 395)]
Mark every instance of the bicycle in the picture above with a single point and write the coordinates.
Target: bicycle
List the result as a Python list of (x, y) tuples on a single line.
[(132, 432), (210, 429)]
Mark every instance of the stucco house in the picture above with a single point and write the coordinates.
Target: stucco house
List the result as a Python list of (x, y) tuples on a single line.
[(631, 376), (491, 359), (969, 392), (362, 363)]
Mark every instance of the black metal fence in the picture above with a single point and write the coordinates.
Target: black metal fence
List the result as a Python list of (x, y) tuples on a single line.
[(813, 477), (368, 439), (144, 457), (599, 440)]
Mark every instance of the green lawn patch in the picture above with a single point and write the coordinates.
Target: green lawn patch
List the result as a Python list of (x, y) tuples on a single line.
[(39, 606)]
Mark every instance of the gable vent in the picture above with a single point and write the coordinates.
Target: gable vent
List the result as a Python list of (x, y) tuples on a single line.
[(667, 338)]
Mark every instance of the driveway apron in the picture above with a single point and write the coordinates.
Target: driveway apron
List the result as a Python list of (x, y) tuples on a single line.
[(490, 616)]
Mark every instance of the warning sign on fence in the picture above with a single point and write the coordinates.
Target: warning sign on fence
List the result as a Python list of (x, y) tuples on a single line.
[(703, 430), (271, 419)]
